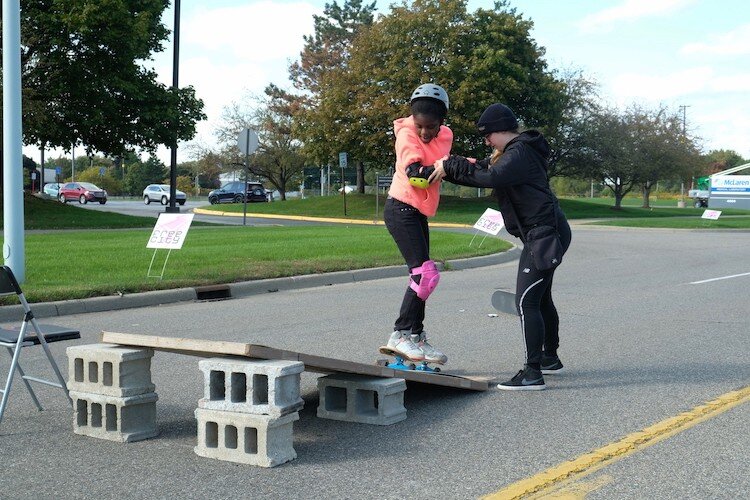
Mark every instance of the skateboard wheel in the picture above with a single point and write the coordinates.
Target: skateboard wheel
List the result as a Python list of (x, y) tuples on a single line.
[(437, 369), (412, 366)]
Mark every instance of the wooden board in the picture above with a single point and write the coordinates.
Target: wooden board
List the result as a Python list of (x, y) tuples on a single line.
[(320, 364)]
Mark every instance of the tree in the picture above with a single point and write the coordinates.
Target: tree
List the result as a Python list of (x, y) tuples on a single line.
[(106, 181), (207, 166), (634, 148), (605, 154), (139, 175), (278, 158), (664, 150), (327, 50), (84, 83), (328, 47), (480, 58), (722, 159), (580, 103)]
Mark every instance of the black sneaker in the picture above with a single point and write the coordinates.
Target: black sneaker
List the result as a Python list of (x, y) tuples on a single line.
[(527, 379), (551, 365)]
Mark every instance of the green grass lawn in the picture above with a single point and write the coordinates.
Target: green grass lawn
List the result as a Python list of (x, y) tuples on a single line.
[(76, 264), (42, 213)]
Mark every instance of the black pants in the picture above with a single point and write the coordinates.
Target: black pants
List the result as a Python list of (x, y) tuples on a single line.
[(409, 229), (539, 319)]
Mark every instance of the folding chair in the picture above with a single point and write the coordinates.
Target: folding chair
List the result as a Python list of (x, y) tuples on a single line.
[(15, 339)]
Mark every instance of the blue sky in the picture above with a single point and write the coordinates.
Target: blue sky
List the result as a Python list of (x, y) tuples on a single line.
[(651, 52)]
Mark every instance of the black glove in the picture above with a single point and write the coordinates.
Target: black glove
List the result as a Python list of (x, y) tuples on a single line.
[(418, 175)]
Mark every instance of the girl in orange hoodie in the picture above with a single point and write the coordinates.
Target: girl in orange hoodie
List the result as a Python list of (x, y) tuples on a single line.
[(421, 139)]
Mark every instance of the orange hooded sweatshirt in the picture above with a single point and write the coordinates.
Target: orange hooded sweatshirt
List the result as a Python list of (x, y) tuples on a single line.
[(410, 149)]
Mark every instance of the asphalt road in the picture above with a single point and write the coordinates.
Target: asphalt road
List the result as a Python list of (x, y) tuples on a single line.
[(642, 343)]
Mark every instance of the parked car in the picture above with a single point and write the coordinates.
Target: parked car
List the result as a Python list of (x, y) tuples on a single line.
[(84, 192), (160, 193), (52, 189), (234, 192)]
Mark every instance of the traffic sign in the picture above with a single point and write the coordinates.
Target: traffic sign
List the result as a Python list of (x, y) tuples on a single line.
[(342, 160), (247, 141), (384, 181)]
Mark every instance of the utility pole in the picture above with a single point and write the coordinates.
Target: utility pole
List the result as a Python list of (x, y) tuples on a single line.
[(684, 108)]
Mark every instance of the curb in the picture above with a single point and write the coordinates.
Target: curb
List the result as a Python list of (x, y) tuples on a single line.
[(236, 290)]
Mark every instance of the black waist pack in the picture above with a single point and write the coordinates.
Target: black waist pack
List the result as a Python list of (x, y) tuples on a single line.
[(545, 246)]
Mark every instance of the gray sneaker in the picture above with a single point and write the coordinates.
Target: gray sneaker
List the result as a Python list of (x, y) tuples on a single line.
[(402, 343), (551, 365), (527, 379), (431, 354)]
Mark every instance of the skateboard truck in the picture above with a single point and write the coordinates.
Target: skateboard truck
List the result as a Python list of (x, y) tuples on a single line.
[(400, 364), (405, 364)]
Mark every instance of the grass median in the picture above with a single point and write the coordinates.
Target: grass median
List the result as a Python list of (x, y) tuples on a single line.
[(99, 261), (77, 264)]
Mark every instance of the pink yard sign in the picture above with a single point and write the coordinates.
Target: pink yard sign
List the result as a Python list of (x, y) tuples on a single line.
[(490, 222), (170, 231)]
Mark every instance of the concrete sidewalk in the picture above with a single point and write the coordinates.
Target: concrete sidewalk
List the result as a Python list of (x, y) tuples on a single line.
[(233, 290)]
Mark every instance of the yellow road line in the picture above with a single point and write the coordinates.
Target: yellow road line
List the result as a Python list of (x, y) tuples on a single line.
[(315, 219), (599, 458)]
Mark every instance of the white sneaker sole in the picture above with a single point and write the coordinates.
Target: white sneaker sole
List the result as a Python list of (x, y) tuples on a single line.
[(553, 372), (521, 387), (391, 351)]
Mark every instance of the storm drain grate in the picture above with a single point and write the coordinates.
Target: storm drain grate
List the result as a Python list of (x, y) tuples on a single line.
[(213, 292)]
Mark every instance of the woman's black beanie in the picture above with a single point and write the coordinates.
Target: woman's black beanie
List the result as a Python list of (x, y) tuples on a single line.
[(497, 118)]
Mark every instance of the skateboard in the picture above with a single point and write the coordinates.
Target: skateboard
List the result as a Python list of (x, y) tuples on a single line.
[(402, 363), (505, 302)]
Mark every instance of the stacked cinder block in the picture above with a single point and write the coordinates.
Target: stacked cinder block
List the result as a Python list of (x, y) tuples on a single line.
[(363, 399), (248, 409), (112, 393)]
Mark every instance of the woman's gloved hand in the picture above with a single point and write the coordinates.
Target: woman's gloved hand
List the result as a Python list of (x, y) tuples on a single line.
[(419, 175)]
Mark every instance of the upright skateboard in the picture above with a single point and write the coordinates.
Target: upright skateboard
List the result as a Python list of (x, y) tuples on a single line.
[(505, 302), (401, 363)]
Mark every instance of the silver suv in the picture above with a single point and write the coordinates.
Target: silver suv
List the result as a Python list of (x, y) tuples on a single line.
[(160, 193)]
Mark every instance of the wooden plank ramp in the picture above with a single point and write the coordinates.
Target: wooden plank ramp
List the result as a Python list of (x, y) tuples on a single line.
[(320, 364)]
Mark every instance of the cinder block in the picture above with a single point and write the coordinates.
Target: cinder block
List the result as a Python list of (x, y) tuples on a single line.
[(258, 387), (110, 370), (363, 399), (245, 438), (116, 419)]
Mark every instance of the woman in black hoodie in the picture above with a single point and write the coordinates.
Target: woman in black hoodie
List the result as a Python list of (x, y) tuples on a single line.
[(517, 171)]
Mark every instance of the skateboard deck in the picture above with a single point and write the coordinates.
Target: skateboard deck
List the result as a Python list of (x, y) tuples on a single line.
[(505, 302), (320, 364)]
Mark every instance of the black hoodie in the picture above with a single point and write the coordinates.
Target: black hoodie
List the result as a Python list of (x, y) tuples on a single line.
[(519, 178)]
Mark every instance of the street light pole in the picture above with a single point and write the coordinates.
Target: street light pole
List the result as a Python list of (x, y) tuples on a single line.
[(172, 207), (14, 247)]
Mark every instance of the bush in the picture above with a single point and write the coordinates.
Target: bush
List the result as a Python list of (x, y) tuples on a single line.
[(107, 182)]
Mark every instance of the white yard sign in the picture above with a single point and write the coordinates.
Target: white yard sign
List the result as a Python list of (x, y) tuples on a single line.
[(490, 222), (170, 231), (711, 214)]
